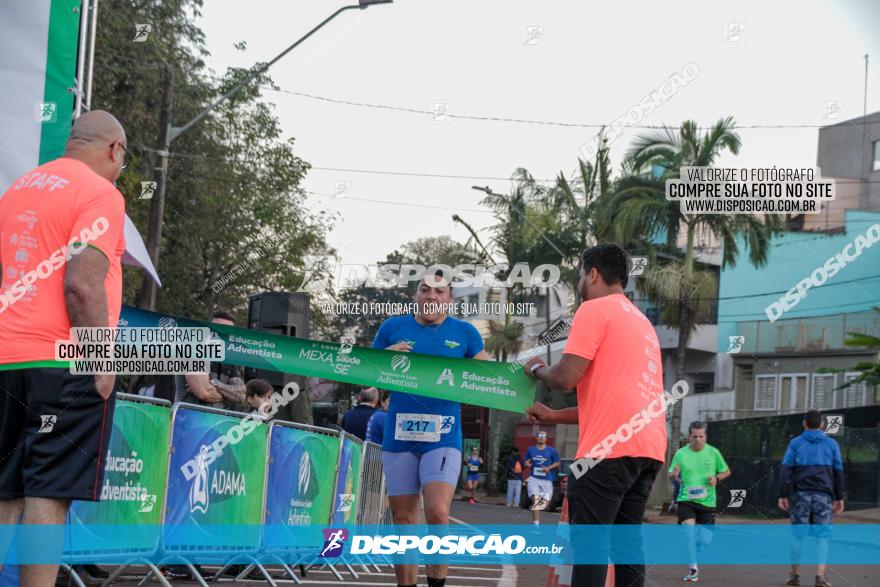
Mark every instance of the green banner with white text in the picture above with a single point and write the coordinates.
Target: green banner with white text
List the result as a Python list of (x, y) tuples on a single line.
[(501, 386)]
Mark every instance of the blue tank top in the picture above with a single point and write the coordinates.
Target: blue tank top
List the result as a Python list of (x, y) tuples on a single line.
[(452, 338)]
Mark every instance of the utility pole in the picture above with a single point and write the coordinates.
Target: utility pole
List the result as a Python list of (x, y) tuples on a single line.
[(147, 294), (866, 144), (168, 132)]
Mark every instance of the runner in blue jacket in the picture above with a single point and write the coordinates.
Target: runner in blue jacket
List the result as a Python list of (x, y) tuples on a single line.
[(811, 489)]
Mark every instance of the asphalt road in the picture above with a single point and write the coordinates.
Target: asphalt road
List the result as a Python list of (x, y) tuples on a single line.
[(535, 576)]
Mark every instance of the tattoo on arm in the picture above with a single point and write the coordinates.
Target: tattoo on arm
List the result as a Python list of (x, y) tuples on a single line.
[(233, 391), (84, 293)]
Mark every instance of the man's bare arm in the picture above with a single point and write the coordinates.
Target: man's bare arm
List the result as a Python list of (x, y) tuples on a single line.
[(566, 416), (564, 375), (200, 385), (86, 300), (540, 413), (84, 288)]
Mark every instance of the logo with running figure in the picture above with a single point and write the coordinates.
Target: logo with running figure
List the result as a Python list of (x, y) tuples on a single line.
[(346, 344), (148, 502), (833, 423), (346, 500), (737, 497), (46, 112), (47, 423), (142, 32), (334, 541), (448, 423), (148, 188), (735, 344), (638, 266)]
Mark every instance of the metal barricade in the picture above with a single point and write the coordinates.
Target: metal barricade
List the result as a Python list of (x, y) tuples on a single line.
[(304, 475), (133, 494), (373, 497), (373, 507), (189, 507), (299, 490)]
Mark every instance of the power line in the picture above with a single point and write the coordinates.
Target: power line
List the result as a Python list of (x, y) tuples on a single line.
[(757, 295), (788, 316), (392, 172), (487, 118), (490, 118), (408, 204)]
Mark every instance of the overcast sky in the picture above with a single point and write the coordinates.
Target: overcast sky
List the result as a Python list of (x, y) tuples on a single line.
[(764, 63)]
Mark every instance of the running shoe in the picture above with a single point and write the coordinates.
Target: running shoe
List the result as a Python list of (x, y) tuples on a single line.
[(693, 576), (794, 580), (540, 504), (822, 581), (472, 500)]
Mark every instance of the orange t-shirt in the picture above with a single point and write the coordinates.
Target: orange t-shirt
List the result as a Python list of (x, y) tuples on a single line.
[(616, 397), (45, 211)]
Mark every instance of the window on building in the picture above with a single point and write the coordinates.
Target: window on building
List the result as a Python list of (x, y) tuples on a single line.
[(876, 166), (823, 394), (854, 395), (765, 392)]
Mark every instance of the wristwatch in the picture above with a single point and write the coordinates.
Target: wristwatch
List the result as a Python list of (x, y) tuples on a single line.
[(536, 367)]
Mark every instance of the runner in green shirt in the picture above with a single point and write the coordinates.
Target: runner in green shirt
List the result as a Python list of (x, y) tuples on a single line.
[(697, 467)]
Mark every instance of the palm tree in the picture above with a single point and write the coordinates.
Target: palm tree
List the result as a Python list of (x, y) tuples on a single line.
[(582, 204), (869, 373), (641, 213), (504, 338)]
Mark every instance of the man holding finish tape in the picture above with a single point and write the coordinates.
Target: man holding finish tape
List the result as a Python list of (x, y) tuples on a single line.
[(421, 448), (612, 356)]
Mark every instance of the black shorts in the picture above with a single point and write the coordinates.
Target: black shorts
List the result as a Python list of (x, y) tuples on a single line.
[(54, 433), (688, 510)]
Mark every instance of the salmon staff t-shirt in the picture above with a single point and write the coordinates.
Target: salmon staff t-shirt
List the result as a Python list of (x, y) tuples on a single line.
[(42, 214), (624, 378)]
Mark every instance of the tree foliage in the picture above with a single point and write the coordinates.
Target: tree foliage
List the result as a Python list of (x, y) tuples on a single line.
[(234, 206), (641, 213)]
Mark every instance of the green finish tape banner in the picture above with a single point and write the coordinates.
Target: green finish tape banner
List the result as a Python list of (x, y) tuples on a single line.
[(480, 383), (135, 474)]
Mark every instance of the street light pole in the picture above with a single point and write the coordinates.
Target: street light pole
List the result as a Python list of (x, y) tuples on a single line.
[(147, 294), (169, 133)]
